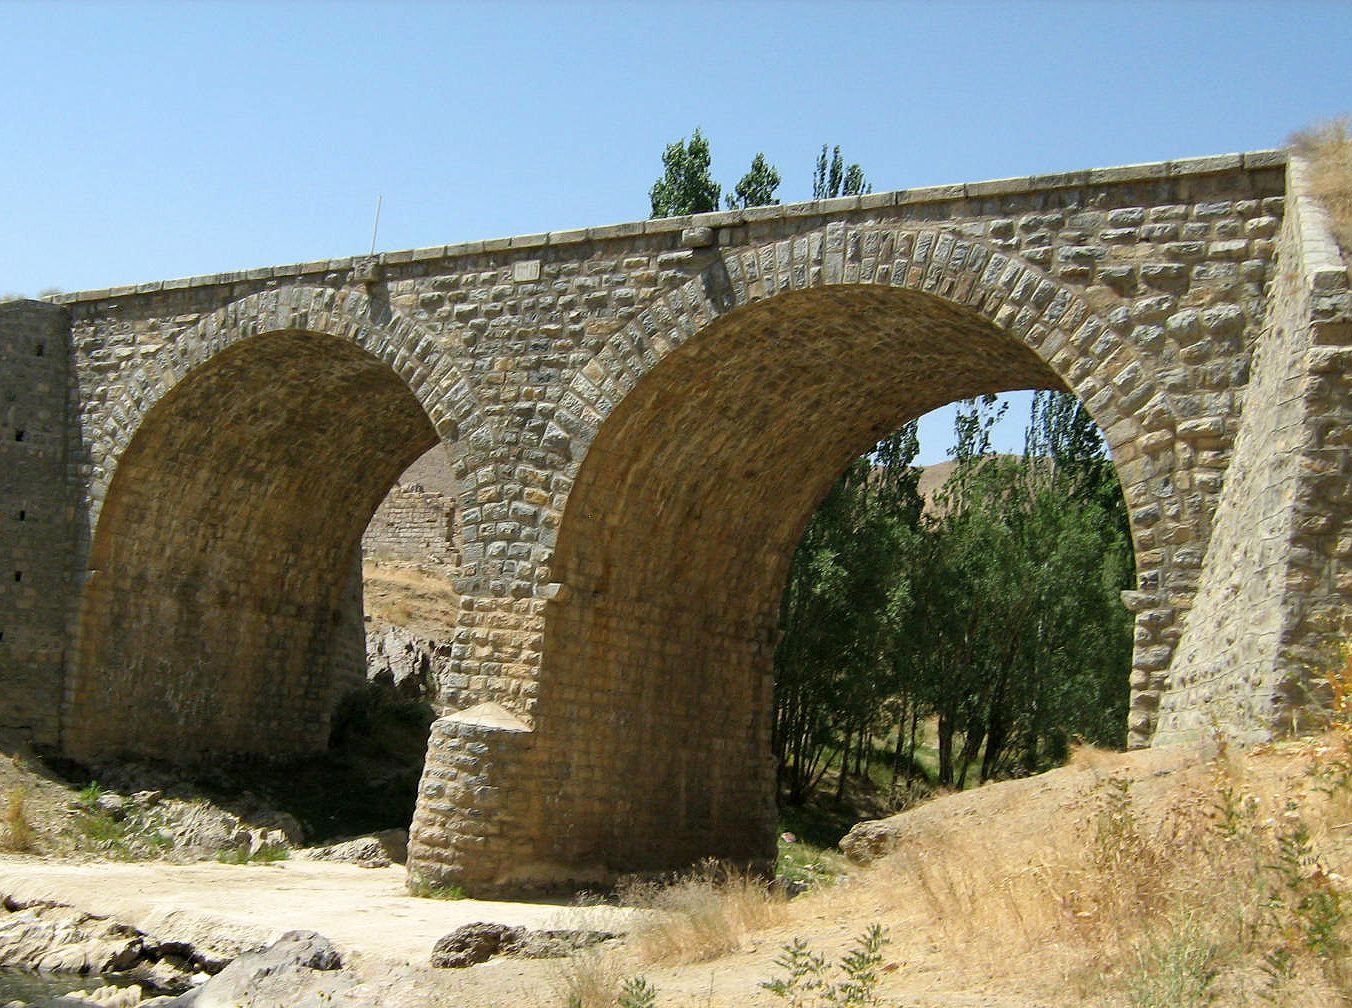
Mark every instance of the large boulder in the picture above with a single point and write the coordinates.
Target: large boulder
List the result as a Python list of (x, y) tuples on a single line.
[(271, 976), (476, 943), (379, 850), (473, 944)]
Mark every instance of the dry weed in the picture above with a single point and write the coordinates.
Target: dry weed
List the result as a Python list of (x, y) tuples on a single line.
[(1328, 148), (588, 978), (702, 916), (408, 597), (18, 834), (1084, 756)]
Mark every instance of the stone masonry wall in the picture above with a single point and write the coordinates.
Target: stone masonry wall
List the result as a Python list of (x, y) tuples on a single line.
[(36, 513), (413, 524), (1140, 296), (1276, 586), (607, 397)]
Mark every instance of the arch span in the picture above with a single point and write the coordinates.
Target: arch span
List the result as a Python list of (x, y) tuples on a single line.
[(678, 535), (217, 615), (693, 448)]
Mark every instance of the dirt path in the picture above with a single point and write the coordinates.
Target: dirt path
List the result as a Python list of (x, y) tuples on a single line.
[(363, 910)]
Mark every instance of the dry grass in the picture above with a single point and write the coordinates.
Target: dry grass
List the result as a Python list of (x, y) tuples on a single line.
[(700, 917), (18, 835), (1328, 148), (409, 597), (1231, 895), (588, 979)]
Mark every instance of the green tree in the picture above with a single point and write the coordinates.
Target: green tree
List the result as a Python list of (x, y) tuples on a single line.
[(1024, 634), (996, 610), (686, 187), (833, 178), (757, 187)]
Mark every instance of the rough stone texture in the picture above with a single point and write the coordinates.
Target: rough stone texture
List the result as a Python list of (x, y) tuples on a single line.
[(36, 515), (217, 605), (413, 524), (379, 850), (1276, 582), (641, 418), (473, 944), (400, 659), (477, 943), (272, 974), (49, 937)]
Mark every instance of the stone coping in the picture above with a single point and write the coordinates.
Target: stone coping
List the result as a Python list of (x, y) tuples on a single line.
[(1145, 172), (1321, 261)]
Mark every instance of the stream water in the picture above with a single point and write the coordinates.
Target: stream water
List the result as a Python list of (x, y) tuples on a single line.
[(43, 989)]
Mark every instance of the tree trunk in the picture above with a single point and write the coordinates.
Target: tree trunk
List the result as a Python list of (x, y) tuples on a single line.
[(844, 765), (915, 738), (901, 743), (971, 742), (945, 750)]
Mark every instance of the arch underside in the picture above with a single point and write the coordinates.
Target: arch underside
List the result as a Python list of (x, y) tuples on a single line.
[(677, 538), (222, 608)]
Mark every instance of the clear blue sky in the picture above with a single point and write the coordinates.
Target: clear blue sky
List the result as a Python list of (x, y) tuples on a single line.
[(146, 141)]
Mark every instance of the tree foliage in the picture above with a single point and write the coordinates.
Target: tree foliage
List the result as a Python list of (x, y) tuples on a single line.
[(833, 178), (994, 610), (686, 187), (757, 187)]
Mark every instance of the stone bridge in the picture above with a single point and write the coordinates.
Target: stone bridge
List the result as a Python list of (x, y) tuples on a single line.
[(642, 417)]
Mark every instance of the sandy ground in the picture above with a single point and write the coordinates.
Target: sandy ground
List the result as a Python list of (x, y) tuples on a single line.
[(362, 910), (956, 942)]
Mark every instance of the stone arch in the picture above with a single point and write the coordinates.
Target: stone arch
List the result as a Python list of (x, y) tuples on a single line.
[(220, 612), (701, 436), (349, 314)]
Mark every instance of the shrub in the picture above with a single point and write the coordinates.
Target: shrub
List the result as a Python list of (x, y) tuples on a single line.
[(811, 982)]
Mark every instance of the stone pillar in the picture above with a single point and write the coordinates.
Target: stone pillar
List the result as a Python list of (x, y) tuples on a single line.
[(36, 517)]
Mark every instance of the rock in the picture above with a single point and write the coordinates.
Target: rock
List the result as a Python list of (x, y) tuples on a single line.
[(171, 974), (557, 944), (54, 939), (395, 842), (259, 839), (868, 841), (399, 661), (379, 850), (287, 824), (93, 956), (310, 949), (111, 804), (271, 976), (365, 851), (106, 997), (147, 799), (474, 943), (202, 827)]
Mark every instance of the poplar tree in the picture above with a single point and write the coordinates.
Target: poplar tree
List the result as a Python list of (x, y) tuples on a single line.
[(686, 187), (757, 187)]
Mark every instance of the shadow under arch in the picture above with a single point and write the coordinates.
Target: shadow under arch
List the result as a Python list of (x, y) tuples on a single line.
[(677, 537), (220, 614)]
